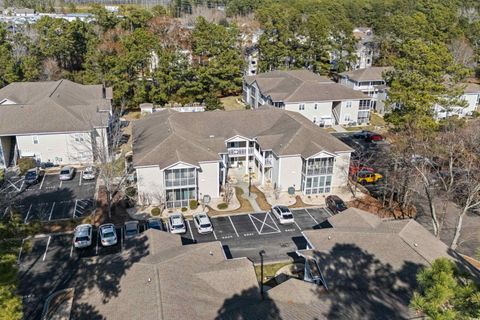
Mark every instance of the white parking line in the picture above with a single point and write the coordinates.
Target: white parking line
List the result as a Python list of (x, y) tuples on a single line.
[(190, 229), (43, 179), (297, 225), (61, 181), (96, 248), (264, 223), (254, 223), (121, 239), (75, 209), (28, 213), (20, 252), (80, 181), (51, 211), (316, 222), (6, 210), (71, 249), (273, 220), (215, 235), (328, 211), (21, 186), (235, 229), (46, 248)]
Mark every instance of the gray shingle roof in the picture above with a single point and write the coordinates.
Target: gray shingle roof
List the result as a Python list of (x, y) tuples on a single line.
[(167, 137), (367, 74), (52, 106), (169, 281), (472, 88), (302, 85)]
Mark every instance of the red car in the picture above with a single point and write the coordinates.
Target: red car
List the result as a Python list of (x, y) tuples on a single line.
[(354, 169), (374, 137)]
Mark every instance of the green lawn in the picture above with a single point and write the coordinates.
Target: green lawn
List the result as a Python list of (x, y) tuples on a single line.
[(232, 103), (269, 270)]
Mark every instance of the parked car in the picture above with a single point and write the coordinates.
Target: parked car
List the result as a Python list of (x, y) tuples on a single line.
[(108, 235), (154, 223), (368, 177), (362, 134), (82, 237), (176, 223), (130, 229), (66, 173), (357, 168), (335, 204), (203, 223), (283, 214), (89, 173), (32, 176), (374, 137)]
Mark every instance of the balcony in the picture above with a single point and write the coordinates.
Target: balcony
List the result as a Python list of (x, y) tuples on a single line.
[(235, 152), (268, 162)]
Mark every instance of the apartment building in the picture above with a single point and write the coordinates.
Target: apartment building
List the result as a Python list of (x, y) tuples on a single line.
[(54, 122), (371, 82), (317, 98), (471, 102), (183, 156)]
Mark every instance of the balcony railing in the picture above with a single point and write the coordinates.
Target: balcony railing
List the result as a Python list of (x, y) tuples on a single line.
[(318, 170), (180, 182), (239, 151), (268, 162)]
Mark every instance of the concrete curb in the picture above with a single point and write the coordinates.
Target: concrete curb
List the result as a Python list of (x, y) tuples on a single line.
[(50, 298)]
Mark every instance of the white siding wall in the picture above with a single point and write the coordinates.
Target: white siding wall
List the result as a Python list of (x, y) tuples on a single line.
[(471, 99), (348, 114), (208, 180), (57, 148), (150, 185), (275, 170), (340, 170), (324, 109), (290, 172)]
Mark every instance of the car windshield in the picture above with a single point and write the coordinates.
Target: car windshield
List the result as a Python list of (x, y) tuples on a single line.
[(341, 206), (284, 209), (205, 225), (108, 234), (65, 172), (131, 231), (177, 226), (88, 171), (154, 224), (287, 216), (81, 239), (31, 174)]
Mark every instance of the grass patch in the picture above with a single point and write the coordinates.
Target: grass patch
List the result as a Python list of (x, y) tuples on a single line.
[(261, 199), (232, 103), (299, 203), (376, 120), (269, 271)]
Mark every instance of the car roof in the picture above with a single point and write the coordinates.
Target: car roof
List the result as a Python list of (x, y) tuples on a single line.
[(203, 217), (281, 207), (107, 226), (131, 223), (83, 229)]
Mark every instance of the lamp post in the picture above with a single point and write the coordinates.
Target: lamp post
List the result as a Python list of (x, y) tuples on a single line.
[(261, 253), (249, 180)]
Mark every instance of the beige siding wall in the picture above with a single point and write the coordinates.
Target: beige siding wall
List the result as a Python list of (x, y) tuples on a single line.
[(290, 172), (150, 185), (59, 148), (312, 113), (349, 113), (208, 180), (340, 170)]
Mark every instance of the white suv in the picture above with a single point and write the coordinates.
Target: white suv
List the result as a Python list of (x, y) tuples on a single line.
[(203, 223), (176, 224), (283, 214), (83, 236)]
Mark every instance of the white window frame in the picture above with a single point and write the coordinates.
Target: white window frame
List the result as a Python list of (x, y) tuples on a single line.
[(349, 104), (35, 139), (301, 107)]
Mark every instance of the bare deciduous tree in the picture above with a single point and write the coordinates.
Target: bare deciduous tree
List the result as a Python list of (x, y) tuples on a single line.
[(228, 193)]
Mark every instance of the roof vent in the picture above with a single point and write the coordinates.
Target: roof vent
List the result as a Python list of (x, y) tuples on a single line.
[(211, 253), (329, 237), (211, 136), (415, 244)]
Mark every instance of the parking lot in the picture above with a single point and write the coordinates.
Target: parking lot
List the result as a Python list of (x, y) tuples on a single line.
[(51, 198)]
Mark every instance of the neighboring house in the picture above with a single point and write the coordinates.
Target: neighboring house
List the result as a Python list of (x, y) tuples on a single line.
[(251, 53), (362, 268), (183, 156), (57, 122), (371, 82), (156, 277), (319, 99), (365, 48), (471, 96)]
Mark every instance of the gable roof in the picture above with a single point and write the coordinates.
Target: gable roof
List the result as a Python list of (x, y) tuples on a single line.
[(167, 137), (367, 74), (164, 280), (301, 85), (53, 106)]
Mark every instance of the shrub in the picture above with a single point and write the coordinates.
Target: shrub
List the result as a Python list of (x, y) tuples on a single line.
[(155, 211), (222, 206), (2, 176), (193, 204), (25, 164), (184, 209)]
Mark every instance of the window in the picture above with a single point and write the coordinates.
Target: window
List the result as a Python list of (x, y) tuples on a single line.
[(317, 175), (79, 137), (364, 105), (315, 106), (314, 119), (301, 107), (35, 139), (349, 104), (347, 118)]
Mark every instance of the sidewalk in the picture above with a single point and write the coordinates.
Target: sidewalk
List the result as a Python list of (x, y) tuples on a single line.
[(339, 128), (250, 198)]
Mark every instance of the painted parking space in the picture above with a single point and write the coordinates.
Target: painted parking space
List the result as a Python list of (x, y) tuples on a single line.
[(30, 259), (304, 219), (201, 237), (224, 228), (50, 182), (101, 250), (83, 207), (37, 211), (264, 223), (62, 210), (59, 249), (243, 225)]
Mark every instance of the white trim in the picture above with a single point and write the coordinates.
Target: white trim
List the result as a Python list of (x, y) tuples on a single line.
[(182, 163), (315, 156), (237, 136)]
